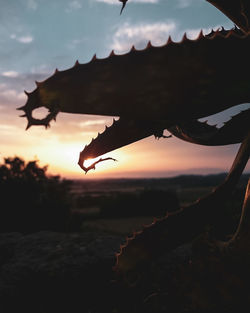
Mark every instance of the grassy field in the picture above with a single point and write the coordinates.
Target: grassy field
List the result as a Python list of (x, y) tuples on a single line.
[(102, 206), (117, 226)]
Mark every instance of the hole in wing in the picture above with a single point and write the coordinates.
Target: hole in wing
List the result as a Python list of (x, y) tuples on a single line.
[(40, 113), (220, 118)]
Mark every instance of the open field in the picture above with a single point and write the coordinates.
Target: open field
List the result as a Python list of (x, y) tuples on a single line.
[(121, 206), (117, 226)]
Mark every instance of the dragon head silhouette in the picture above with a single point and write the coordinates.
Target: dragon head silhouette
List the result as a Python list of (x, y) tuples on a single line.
[(169, 87)]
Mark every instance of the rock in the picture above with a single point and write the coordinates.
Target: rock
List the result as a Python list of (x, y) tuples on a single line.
[(56, 272)]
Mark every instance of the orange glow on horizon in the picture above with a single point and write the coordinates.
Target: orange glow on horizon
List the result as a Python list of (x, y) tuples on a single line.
[(59, 148)]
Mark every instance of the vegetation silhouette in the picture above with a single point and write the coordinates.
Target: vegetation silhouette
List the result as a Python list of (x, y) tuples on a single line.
[(148, 202), (31, 200)]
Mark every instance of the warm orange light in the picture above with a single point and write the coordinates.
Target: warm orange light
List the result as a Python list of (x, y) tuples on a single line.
[(89, 162), (105, 165)]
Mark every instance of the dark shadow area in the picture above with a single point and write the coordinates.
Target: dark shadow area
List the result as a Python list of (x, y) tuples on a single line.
[(55, 257), (30, 199)]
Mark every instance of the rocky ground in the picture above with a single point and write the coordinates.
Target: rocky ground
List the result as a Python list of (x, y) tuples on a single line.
[(50, 272), (55, 272)]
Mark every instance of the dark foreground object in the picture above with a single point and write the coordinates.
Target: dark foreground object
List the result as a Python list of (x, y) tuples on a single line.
[(55, 272), (50, 272)]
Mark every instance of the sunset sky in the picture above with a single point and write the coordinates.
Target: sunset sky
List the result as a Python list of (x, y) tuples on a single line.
[(37, 36)]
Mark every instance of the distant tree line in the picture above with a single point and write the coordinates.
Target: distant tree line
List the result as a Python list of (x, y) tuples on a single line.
[(147, 202), (31, 200)]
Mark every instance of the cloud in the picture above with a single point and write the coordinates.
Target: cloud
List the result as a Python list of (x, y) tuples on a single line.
[(194, 33), (93, 122), (73, 5), (22, 39), (32, 4), (116, 2), (127, 35), (183, 4), (138, 35), (10, 95), (76, 42), (11, 74)]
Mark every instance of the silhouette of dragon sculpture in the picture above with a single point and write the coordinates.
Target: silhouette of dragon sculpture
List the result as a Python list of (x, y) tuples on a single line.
[(169, 87)]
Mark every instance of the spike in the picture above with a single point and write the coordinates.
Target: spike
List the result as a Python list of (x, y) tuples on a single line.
[(38, 83), (217, 31), (24, 115), (27, 93), (22, 108), (132, 49), (123, 5), (212, 32), (112, 53), (169, 40), (230, 33), (106, 127), (94, 57), (77, 63), (56, 71), (149, 45), (205, 122), (184, 37), (200, 36), (28, 125)]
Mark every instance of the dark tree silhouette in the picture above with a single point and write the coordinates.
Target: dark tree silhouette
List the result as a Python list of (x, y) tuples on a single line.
[(31, 200)]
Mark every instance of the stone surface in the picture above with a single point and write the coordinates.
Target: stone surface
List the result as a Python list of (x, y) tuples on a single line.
[(49, 272), (55, 272)]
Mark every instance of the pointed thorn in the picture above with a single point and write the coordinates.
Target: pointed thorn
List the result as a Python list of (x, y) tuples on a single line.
[(149, 45), (112, 53), (212, 32), (56, 71), (123, 5), (94, 57), (24, 115), (37, 83), (28, 126), (200, 36), (22, 108), (26, 92), (184, 37), (169, 40), (132, 49), (77, 63)]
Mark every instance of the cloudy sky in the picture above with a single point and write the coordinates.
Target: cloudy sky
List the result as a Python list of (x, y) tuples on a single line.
[(37, 36)]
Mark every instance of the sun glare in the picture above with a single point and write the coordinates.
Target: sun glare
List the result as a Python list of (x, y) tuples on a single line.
[(105, 165), (89, 162)]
